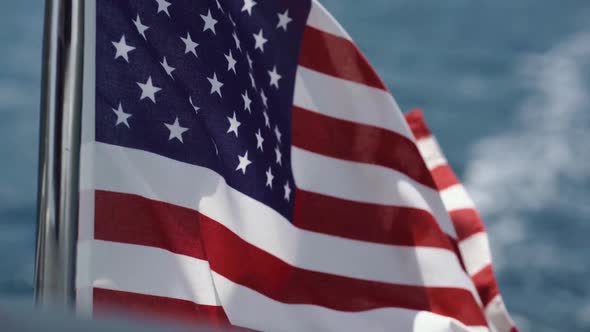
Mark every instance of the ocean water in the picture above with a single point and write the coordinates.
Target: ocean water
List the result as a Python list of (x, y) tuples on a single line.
[(505, 86)]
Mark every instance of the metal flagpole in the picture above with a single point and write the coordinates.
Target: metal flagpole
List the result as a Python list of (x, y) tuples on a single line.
[(59, 152)]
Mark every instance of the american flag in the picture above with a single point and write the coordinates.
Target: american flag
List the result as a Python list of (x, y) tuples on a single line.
[(472, 239), (243, 164)]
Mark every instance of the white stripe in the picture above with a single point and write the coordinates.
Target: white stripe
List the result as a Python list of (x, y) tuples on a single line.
[(456, 198), (126, 170), (431, 152), (347, 100), (250, 309), (497, 315), (321, 19), (475, 251), (151, 271), (366, 183)]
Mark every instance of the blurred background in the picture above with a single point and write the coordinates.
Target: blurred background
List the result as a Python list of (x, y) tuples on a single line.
[(505, 86)]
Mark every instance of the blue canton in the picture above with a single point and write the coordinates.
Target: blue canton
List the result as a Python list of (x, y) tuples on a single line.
[(205, 82)]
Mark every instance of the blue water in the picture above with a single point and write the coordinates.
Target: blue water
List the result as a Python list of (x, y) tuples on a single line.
[(505, 86)]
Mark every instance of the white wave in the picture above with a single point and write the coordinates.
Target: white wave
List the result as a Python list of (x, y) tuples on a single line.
[(542, 160), (540, 164), (583, 315), (521, 169)]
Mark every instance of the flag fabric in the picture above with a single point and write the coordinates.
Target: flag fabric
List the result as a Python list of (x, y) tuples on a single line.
[(472, 238), (242, 164)]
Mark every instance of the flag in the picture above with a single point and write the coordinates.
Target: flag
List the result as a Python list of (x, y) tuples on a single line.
[(243, 164), (472, 238)]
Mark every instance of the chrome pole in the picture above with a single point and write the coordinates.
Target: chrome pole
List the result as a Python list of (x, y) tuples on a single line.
[(59, 153)]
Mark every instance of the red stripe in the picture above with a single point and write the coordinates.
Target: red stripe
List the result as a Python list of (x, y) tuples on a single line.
[(128, 219), (486, 284), (282, 282), (415, 120), (360, 143), (457, 252), (338, 57), (467, 223), (151, 307), (367, 222), (444, 177), (288, 284), (166, 226)]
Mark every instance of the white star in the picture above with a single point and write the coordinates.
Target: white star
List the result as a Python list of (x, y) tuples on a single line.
[(274, 77), (237, 40), (176, 130), (148, 90), (219, 6), (123, 49), (189, 45), (279, 156), (231, 20), (264, 99), (233, 124), (163, 6), (266, 119), (215, 84), (247, 102), (259, 40), (269, 178), (169, 69), (287, 191), (278, 134), (209, 22), (140, 27), (244, 162), (252, 81), (121, 116), (231, 62), (195, 107), (248, 4), (259, 140), (284, 19), (250, 62)]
